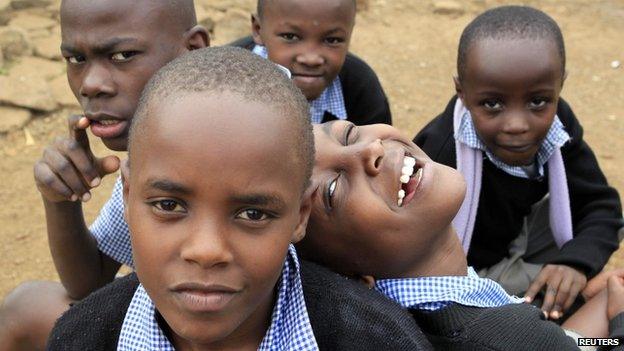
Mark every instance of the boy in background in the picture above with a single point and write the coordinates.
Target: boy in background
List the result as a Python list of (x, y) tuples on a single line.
[(311, 39), (515, 141), (112, 48)]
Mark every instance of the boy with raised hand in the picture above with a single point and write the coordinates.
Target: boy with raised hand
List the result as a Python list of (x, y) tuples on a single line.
[(220, 155), (311, 39), (112, 48), (515, 141)]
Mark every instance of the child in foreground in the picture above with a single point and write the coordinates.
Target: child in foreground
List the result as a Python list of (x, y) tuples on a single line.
[(111, 48), (220, 154), (516, 141), (311, 39), (366, 221)]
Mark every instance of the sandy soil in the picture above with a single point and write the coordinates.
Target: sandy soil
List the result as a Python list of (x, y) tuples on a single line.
[(413, 51)]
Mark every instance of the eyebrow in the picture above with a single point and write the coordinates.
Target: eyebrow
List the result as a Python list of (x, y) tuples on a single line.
[(168, 186), (102, 48), (260, 200)]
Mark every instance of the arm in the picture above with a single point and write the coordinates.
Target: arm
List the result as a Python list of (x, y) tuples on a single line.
[(65, 175), (365, 99)]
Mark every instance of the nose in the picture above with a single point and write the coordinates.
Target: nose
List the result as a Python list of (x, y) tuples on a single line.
[(96, 82), (371, 155), (206, 245), (310, 57), (516, 123)]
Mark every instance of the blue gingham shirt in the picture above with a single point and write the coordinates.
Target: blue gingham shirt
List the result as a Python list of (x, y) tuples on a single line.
[(111, 230), (290, 327), (555, 138), (434, 293), (330, 100)]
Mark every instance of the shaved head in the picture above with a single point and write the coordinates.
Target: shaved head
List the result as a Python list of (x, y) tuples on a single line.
[(262, 3)]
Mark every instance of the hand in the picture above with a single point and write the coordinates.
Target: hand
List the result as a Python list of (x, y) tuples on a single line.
[(68, 169), (599, 282), (563, 284), (615, 299)]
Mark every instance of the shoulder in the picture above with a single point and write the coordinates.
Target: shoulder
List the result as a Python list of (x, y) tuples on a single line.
[(346, 315), (570, 122), (436, 138), (96, 320), (245, 43), (356, 71)]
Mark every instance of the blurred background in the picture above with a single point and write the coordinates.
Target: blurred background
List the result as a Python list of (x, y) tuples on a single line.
[(411, 44)]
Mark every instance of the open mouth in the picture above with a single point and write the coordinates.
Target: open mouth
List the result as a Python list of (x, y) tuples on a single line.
[(411, 175)]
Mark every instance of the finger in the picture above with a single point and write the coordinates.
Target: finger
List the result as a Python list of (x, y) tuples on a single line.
[(82, 161), (562, 296), (551, 293), (575, 289), (107, 165), (536, 286), (78, 130), (65, 171), (50, 185)]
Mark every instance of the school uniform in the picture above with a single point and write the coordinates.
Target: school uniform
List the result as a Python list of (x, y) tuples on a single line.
[(585, 212), (314, 309), (355, 95), (473, 313)]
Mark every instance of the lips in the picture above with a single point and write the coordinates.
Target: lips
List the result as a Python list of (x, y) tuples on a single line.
[(107, 126), (411, 174), (204, 298)]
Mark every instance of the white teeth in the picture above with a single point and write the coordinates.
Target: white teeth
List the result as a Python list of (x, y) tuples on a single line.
[(108, 122), (408, 170), (404, 178), (409, 161), (418, 175), (400, 202), (401, 194)]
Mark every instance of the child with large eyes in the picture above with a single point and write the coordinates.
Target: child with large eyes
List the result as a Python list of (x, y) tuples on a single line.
[(539, 216)]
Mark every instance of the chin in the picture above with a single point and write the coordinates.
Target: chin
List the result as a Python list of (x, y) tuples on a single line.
[(117, 144)]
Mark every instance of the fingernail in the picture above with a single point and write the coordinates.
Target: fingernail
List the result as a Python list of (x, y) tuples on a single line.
[(528, 299), (555, 315), (86, 197), (95, 182), (73, 198), (545, 314)]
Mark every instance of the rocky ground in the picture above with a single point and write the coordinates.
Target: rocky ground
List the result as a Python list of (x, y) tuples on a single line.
[(411, 45)]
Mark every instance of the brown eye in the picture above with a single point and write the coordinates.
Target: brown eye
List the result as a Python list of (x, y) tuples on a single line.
[(254, 214), (168, 206)]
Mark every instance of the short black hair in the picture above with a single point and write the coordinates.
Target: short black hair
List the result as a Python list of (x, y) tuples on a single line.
[(261, 3), (238, 71), (509, 22)]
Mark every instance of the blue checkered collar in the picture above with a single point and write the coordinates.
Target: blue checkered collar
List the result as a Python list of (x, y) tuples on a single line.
[(290, 327), (330, 100), (555, 138), (433, 293)]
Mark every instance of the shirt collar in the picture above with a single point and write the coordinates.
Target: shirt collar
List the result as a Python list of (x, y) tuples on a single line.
[(433, 293), (555, 139), (330, 100), (290, 327)]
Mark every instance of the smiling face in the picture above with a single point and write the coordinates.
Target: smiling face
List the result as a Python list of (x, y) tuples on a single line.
[(112, 48), (511, 88), (359, 225), (310, 38), (213, 200)]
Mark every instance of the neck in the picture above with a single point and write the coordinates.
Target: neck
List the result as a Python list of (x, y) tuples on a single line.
[(447, 258)]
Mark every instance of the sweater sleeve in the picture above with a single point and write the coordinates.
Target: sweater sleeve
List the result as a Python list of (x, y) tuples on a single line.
[(365, 99), (595, 206)]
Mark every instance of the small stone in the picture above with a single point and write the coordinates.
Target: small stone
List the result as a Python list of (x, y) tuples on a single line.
[(30, 22), (28, 139), (61, 92), (13, 118), (447, 7), (14, 43), (596, 78), (48, 47), (611, 117), (25, 4), (615, 64), (36, 66), (27, 90)]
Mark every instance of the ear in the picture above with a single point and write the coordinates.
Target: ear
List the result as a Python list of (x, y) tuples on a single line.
[(255, 30), (563, 79), (458, 87), (367, 280), (196, 38), (304, 215), (125, 179)]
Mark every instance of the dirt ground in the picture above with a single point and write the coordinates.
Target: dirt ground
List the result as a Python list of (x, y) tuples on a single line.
[(413, 50)]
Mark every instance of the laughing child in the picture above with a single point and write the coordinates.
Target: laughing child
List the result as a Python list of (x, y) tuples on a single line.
[(311, 39), (366, 220), (220, 155), (516, 141), (111, 48)]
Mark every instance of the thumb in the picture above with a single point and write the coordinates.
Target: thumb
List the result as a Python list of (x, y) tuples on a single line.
[(107, 165)]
